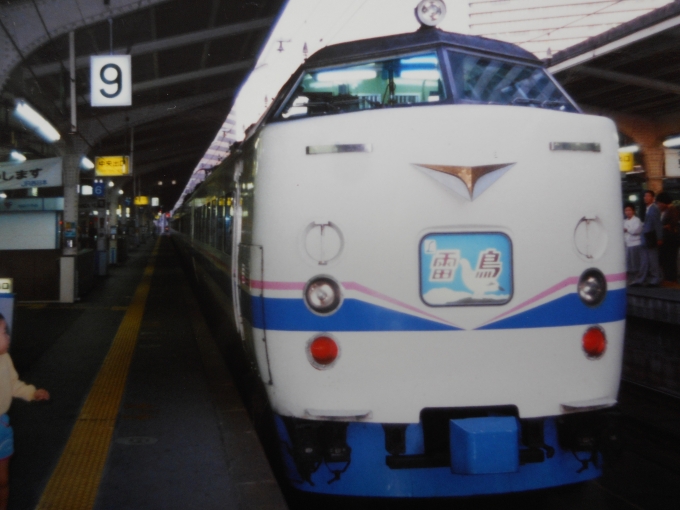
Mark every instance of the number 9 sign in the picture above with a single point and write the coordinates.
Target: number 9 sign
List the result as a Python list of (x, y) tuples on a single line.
[(110, 80)]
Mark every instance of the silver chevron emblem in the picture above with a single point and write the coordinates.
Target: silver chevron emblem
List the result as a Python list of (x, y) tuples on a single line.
[(468, 181)]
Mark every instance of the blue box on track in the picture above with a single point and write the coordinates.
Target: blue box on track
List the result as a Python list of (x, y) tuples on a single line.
[(484, 445)]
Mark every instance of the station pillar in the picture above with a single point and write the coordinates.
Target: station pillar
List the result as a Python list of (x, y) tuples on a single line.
[(649, 135), (72, 148), (113, 196), (655, 160)]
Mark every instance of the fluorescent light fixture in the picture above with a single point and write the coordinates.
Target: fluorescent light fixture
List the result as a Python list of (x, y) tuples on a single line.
[(17, 156), (672, 142), (85, 190), (33, 119), (86, 163), (346, 75), (630, 148), (3, 195)]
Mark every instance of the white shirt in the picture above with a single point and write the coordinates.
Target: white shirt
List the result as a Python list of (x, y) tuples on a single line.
[(633, 228)]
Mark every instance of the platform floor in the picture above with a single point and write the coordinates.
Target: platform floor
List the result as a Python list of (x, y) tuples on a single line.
[(143, 414)]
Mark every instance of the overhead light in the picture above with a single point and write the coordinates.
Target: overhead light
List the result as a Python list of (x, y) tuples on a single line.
[(121, 192), (33, 119), (86, 163), (111, 184), (672, 142), (17, 156), (630, 148), (3, 195)]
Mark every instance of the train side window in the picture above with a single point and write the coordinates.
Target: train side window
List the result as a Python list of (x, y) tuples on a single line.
[(401, 81), (484, 80)]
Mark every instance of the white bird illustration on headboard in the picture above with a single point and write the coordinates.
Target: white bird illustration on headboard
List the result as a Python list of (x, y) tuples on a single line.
[(483, 279)]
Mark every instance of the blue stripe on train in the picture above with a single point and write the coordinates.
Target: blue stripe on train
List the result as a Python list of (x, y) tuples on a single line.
[(357, 315), (353, 315), (567, 311)]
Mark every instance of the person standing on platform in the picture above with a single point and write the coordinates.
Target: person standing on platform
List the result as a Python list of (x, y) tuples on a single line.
[(632, 228), (651, 240), (10, 386), (668, 251)]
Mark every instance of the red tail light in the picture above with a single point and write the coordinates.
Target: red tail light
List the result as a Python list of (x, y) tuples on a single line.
[(594, 342), (323, 351)]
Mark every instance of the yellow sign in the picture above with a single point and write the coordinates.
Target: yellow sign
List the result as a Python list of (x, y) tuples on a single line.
[(111, 166), (626, 161), (141, 200)]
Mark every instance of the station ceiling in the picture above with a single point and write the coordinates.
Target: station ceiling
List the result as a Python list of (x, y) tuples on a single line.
[(630, 71), (189, 58)]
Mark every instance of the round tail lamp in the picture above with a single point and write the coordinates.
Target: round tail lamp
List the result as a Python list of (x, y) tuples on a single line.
[(594, 342), (323, 351)]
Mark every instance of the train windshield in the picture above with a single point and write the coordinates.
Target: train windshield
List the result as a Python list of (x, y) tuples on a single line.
[(408, 80), (484, 80)]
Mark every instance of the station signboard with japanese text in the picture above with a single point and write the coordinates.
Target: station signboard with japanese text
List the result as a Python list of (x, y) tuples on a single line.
[(141, 200), (111, 166), (37, 173), (110, 80)]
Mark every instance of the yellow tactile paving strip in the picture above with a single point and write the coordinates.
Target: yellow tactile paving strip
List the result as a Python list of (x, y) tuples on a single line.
[(75, 480)]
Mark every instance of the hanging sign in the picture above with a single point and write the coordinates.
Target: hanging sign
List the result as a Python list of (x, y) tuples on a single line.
[(141, 200), (99, 189), (626, 161), (36, 173), (111, 166), (110, 80)]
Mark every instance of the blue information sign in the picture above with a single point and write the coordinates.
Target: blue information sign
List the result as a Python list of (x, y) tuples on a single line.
[(99, 189)]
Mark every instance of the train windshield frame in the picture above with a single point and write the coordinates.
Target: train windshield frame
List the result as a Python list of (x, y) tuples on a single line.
[(482, 79), (427, 77), (400, 80)]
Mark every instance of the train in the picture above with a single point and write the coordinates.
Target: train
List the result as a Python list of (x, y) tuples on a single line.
[(419, 245)]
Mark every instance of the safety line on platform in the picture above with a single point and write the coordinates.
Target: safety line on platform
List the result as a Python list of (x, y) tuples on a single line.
[(75, 481)]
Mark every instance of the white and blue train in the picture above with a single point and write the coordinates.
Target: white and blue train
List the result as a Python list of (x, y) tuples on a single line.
[(420, 246)]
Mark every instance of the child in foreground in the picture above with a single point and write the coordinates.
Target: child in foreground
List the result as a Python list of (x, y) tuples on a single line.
[(10, 386)]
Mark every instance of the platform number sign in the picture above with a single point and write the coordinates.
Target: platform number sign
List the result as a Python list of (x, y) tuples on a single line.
[(99, 189), (110, 80)]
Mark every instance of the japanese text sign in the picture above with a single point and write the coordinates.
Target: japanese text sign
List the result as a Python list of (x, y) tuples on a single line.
[(111, 166), (37, 173)]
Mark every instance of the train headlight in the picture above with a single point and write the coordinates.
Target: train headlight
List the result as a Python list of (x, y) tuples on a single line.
[(323, 295), (322, 352), (592, 287), (594, 342), (430, 12)]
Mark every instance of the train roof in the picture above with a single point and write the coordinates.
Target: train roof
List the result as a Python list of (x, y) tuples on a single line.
[(420, 39)]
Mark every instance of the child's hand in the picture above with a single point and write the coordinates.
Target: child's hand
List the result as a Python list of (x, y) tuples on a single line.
[(41, 395)]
